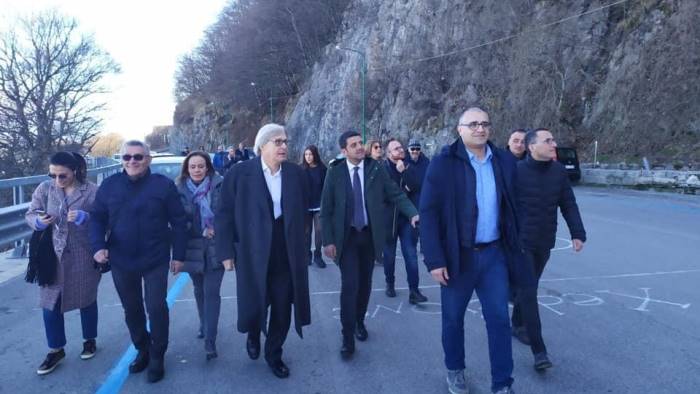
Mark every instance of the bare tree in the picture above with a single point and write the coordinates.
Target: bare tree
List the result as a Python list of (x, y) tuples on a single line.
[(50, 81), (106, 145)]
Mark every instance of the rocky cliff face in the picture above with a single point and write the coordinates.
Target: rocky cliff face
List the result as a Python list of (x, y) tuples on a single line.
[(625, 75)]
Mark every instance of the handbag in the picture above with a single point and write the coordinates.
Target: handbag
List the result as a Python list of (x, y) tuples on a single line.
[(43, 262)]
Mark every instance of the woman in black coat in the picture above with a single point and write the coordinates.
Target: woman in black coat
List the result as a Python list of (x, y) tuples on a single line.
[(315, 172), (199, 187), (260, 231)]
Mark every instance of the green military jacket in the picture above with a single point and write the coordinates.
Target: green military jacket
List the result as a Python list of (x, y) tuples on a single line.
[(336, 211)]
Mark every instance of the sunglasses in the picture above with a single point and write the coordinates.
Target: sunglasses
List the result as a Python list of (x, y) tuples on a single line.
[(137, 157), (59, 176), (414, 149)]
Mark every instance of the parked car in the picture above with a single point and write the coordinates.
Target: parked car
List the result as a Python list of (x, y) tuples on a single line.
[(169, 166), (569, 158)]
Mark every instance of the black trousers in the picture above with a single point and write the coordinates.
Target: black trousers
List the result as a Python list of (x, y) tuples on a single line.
[(356, 266), (526, 309), (280, 295), (151, 286)]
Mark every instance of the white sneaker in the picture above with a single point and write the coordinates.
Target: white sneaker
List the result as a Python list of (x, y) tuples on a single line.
[(456, 382)]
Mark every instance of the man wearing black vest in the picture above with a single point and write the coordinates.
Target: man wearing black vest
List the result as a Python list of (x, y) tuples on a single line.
[(352, 221), (543, 185)]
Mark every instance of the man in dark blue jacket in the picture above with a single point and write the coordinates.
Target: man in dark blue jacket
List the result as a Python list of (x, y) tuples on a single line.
[(220, 160), (543, 186), (409, 180), (141, 215), (469, 239)]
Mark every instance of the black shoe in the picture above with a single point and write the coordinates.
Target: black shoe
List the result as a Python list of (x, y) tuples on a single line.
[(390, 291), (520, 333), (89, 349), (279, 369), (51, 362), (210, 348), (252, 346), (156, 370), (415, 297), (361, 332), (140, 362), (348, 348), (318, 260), (542, 362)]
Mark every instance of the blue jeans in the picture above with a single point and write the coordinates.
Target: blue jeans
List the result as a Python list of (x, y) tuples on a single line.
[(409, 248), (55, 327), (488, 275)]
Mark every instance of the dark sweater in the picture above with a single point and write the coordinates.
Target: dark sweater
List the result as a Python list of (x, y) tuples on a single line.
[(316, 176), (542, 187)]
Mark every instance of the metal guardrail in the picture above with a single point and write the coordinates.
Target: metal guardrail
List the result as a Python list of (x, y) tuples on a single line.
[(13, 229)]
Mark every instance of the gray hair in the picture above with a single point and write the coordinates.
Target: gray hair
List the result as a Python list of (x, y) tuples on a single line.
[(126, 144), (265, 135)]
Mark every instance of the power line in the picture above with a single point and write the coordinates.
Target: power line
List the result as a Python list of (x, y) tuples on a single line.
[(498, 40)]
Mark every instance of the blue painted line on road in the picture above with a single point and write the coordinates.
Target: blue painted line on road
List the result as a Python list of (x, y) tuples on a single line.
[(120, 372)]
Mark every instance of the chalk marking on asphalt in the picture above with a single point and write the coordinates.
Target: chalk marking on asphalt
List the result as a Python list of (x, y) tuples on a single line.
[(569, 246), (618, 276), (641, 274), (120, 371), (645, 299)]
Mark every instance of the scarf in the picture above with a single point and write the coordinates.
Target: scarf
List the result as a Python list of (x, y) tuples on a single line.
[(201, 198)]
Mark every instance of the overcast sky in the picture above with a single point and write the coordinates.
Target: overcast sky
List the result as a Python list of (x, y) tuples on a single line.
[(146, 38)]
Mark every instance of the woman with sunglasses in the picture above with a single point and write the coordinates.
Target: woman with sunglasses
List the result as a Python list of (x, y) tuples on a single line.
[(64, 202), (373, 149), (199, 187), (315, 172)]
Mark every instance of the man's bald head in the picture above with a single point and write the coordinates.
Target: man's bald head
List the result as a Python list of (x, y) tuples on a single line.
[(471, 110)]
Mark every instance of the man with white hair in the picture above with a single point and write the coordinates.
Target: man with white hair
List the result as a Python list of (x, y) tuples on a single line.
[(260, 232)]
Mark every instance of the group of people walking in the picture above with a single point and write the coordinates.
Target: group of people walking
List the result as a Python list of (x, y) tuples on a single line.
[(486, 225)]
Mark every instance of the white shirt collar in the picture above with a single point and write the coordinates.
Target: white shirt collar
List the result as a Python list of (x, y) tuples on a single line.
[(268, 170), (351, 166)]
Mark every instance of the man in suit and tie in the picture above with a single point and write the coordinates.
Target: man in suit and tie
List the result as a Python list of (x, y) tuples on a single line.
[(352, 221)]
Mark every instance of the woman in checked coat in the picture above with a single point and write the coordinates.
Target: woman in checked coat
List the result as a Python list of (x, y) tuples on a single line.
[(63, 203)]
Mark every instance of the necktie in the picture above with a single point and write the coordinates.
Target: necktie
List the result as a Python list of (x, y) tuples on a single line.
[(358, 215)]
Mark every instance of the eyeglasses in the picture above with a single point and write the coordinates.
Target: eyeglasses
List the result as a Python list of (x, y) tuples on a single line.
[(137, 157), (474, 126), (59, 176), (280, 142), (414, 149)]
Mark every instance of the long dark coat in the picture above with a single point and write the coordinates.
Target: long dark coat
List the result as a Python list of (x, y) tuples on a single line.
[(337, 202), (76, 278), (243, 226)]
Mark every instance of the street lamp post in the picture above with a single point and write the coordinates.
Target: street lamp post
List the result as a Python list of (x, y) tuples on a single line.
[(272, 117), (363, 72)]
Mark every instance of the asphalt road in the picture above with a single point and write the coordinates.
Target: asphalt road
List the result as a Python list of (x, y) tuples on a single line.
[(620, 317)]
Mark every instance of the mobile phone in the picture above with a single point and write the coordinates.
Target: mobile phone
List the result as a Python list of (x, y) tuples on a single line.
[(41, 212)]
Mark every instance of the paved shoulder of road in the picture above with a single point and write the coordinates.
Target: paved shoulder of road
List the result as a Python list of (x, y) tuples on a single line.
[(620, 317)]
